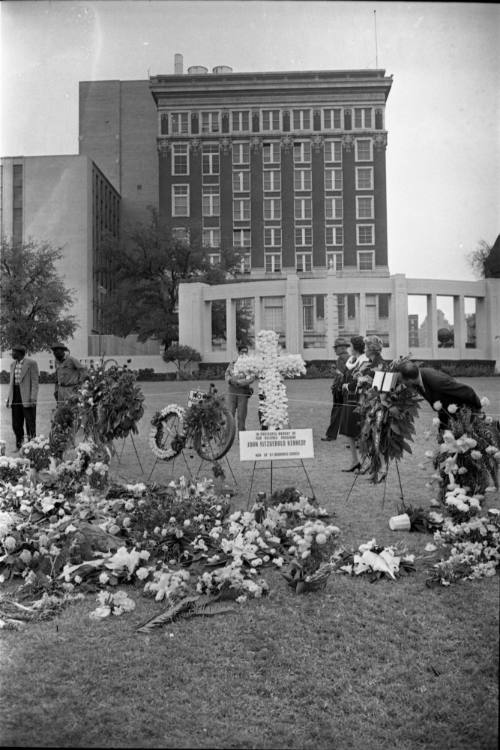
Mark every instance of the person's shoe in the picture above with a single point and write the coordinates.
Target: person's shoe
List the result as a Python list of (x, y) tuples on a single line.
[(353, 468)]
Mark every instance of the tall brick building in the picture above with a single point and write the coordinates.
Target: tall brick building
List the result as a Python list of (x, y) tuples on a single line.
[(288, 168)]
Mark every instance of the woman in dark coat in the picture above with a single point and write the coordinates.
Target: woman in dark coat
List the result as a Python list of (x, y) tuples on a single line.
[(341, 346), (350, 425)]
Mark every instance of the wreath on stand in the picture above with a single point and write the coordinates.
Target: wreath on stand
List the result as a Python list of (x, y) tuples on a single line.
[(387, 424), (164, 451)]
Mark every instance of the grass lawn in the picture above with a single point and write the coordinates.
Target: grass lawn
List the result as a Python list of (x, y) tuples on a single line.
[(392, 665)]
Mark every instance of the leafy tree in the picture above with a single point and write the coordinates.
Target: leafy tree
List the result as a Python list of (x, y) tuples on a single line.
[(34, 301), (478, 258), (181, 356), (146, 267)]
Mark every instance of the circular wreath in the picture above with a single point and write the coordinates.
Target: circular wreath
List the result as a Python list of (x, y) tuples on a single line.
[(158, 421)]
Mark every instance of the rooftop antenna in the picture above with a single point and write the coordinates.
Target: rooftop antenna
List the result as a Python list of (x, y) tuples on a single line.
[(376, 46)]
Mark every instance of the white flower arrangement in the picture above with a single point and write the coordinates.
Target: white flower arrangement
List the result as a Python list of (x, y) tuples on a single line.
[(270, 368), (163, 454), (112, 604), (167, 584)]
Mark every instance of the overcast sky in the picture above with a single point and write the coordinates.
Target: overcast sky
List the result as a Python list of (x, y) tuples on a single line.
[(443, 112)]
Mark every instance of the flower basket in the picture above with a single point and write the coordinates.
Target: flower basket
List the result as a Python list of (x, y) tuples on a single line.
[(304, 584)]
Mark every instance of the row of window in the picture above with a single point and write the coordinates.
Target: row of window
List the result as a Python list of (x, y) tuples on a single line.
[(272, 207), (304, 261), (271, 154), (302, 180), (270, 120), (334, 236), (333, 181)]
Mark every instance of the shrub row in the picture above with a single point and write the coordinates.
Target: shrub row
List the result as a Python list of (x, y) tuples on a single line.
[(465, 368)]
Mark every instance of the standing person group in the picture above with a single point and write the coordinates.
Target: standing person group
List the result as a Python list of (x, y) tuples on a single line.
[(23, 387), (23, 394), (357, 369)]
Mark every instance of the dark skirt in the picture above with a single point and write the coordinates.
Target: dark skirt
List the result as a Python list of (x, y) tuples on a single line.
[(350, 420)]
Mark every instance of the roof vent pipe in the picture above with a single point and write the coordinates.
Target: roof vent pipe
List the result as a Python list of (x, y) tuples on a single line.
[(178, 64)]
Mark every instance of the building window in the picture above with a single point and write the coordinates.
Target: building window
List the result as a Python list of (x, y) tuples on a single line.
[(335, 261), (210, 122), (364, 178), (180, 162), (383, 305), (364, 150), (179, 122), (180, 200), (272, 208), (302, 152), (241, 121), (303, 208), (333, 151), (364, 207), (351, 306), (244, 262), (334, 235), (272, 180), (163, 123), (272, 236), (211, 237), (270, 119), (274, 314), (303, 261), (302, 179), (210, 159), (241, 209), (365, 234), (333, 208), (366, 260), (362, 117), (272, 262), (303, 236), (308, 312), (210, 200), (180, 234), (241, 153), (332, 119), (301, 119), (333, 179), (241, 238), (214, 258), (17, 204), (241, 182), (271, 153)]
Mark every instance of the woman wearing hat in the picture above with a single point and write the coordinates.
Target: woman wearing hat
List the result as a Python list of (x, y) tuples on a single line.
[(23, 394), (339, 367), (350, 424)]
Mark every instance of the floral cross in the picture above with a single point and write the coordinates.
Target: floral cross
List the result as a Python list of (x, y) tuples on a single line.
[(271, 367)]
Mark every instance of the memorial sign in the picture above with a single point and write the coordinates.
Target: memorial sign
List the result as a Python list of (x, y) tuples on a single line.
[(274, 445)]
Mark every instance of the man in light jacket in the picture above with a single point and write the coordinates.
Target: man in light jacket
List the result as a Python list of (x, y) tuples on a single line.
[(23, 394)]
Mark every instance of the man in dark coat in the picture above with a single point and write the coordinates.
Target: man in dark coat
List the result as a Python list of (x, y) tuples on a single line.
[(436, 386), (341, 347), (23, 394)]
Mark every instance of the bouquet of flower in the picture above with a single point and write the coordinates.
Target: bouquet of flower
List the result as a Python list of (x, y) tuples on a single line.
[(110, 403), (12, 469), (97, 475), (375, 561), (37, 450), (468, 452)]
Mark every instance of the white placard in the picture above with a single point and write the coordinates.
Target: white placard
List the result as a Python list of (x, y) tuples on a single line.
[(274, 445)]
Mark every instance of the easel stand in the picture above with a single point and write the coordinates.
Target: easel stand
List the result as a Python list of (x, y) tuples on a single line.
[(382, 479), (135, 451), (270, 467), (191, 475)]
